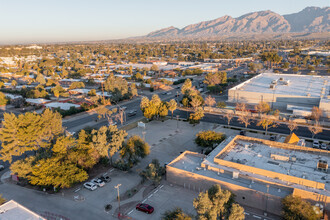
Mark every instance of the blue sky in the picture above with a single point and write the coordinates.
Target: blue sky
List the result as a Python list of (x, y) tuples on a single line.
[(27, 21)]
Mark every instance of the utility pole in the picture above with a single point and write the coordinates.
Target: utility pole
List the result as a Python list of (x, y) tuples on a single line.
[(117, 187)]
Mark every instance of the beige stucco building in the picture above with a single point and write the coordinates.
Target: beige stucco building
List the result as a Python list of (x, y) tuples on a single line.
[(259, 172), (284, 91)]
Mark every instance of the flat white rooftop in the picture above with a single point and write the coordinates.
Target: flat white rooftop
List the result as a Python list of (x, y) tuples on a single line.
[(298, 85), (259, 155), (13, 210)]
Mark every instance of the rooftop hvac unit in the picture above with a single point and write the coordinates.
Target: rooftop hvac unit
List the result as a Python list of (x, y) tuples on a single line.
[(281, 79), (235, 175), (322, 165), (274, 82), (272, 86)]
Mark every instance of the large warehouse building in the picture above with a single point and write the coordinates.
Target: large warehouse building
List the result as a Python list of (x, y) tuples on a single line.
[(285, 91), (259, 172)]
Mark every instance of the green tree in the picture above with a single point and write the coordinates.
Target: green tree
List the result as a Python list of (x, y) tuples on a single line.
[(23, 168), (175, 214), (172, 106), (153, 172), (209, 138), (116, 139), (77, 85), (134, 149), (236, 212), (187, 85), (3, 99), (52, 172), (92, 92), (2, 200), (296, 208), (14, 83), (41, 79), (195, 117), (221, 105)]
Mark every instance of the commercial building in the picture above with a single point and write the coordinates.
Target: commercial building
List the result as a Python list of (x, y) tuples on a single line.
[(259, 172), (14, 210), (285, 91)]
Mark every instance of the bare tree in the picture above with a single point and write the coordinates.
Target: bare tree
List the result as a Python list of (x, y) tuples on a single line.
[(316, 113), (229, 116), (292, 125), (262, 107), (210, 101), (244, 118), (195, 102), (121, 116), (241, 107), (315, 129), (267, 122)]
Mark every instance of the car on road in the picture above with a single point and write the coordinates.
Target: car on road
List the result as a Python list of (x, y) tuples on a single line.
[(272, 138), (113, 123), (169, 93), (98, 182), (143, 207), (242, 133), (164, 93), (131, 113), (105, 178), (90, 186), (316, 144)]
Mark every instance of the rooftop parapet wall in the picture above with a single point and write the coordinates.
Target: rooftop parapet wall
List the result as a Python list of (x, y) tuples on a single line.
[(218, 159), (313, 197)]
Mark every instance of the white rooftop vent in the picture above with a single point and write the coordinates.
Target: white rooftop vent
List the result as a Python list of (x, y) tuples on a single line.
[(235, 175)]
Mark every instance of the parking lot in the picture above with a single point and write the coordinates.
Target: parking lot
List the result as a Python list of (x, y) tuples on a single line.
[(166, 139), (166, 197)]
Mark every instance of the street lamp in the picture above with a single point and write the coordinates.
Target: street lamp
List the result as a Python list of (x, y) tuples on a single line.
[(117, 187)]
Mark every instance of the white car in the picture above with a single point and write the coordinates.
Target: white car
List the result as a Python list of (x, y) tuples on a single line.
[(98, 182), (91, 186), (323, 146), (316, 144)]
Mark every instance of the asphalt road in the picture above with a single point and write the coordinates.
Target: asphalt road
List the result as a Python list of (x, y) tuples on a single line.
[(131, 105), (282, 128)]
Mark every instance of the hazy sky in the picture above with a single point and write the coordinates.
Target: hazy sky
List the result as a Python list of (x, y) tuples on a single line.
[(26, 21)]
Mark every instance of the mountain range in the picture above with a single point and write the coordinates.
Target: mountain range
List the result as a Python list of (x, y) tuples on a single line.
[(309, 20)]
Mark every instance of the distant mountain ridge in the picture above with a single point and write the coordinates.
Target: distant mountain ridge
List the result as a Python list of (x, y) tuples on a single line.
[(309, 20)]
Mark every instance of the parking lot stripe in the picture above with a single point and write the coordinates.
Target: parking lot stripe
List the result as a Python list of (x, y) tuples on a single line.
[(156, 191), (130, 212), (149, 196), (161, 186), (246, 213), (257, 216), (144, 201)]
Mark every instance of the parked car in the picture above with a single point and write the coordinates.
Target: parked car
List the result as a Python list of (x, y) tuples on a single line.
[(316, 144), (242, 133), (105, 178), (98, 182), (145, 208), (131, 113), (272, 138), (324, 146), (169, 93), (90, 186), (2, 167)]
